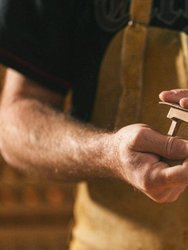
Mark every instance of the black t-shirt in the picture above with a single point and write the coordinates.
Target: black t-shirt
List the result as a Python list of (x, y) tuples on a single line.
[(60, 43)]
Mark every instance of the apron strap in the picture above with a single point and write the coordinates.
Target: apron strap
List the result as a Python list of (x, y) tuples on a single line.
[(118, 97), (141, 11), (132, 63)]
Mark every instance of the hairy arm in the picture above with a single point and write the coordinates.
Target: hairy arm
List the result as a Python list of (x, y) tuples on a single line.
[(38, 137)]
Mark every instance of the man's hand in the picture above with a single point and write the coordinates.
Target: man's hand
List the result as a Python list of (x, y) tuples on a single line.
[(179, 96), (141, 152)]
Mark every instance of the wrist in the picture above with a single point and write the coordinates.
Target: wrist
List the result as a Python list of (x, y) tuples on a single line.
[(106, 158)]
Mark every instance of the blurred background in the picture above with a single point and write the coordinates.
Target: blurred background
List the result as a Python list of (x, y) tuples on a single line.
[(34, 214)]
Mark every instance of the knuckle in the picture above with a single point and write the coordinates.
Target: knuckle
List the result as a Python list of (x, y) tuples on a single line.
[(147, 184), (150, 181), (160, 199), (139, 134)]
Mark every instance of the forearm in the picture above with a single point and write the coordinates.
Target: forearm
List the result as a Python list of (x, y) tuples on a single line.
[(42, 140)]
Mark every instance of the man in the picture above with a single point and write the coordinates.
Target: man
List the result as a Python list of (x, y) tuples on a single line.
[(51, 47)]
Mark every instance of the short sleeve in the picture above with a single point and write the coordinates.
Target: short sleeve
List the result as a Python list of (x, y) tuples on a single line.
[(35, 40)]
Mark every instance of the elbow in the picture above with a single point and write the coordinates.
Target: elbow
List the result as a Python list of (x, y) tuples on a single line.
[(8, 156), (9, 138)]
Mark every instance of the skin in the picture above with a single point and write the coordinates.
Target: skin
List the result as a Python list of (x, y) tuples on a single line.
[(37, 137), (179, 96)]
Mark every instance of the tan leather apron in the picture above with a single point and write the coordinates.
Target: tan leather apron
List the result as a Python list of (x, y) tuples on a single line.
[(140, 62)]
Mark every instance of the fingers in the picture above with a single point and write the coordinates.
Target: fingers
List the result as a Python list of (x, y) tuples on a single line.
[(170, 177), (179, 96), (164, 184), (140, 153), (147, 140), (184, 103)]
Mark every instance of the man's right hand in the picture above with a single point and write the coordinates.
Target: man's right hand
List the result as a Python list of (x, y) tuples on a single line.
[(141, 152)]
